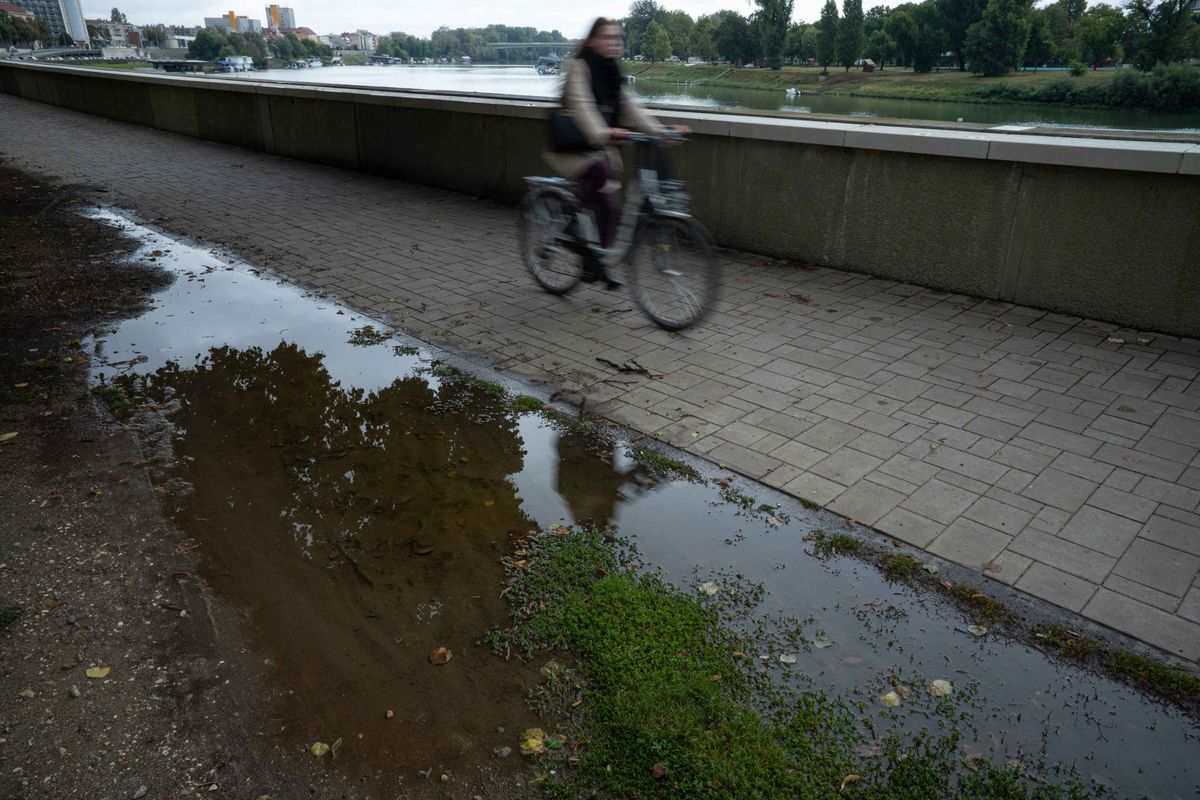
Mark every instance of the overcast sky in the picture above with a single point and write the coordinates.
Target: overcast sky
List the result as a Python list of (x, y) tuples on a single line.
[(411, 16)]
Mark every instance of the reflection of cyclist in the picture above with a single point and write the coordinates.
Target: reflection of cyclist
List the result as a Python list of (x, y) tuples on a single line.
[(603, 109), (588, 482)]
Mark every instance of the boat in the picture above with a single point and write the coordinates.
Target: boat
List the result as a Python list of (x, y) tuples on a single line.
[(315, 62), (549, 65)]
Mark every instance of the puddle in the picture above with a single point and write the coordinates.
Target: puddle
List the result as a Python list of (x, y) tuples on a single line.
[(354, 507)]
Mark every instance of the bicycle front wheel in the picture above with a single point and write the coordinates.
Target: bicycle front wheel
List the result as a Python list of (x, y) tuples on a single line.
[(673, 271), (544, 218)]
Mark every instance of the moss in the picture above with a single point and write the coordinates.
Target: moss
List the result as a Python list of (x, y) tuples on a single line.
[(899, 567), (664, 466), (114, 397), (523, 404), (809, 504), (9, 615), (984, 608)]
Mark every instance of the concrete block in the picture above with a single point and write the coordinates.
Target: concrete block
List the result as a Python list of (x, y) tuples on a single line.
[(909, 527), (1145, 622), (866, 502), (1107, 154), (1101, 530), (1069, 557), (969, 543), (1060, 588)]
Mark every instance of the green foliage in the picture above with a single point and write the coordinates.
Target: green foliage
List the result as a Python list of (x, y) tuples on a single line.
[(1077, 67), (733, 38), (957, 17), (14, 31), (898, 567), (1174, 87), (881, 48), (663, 466), (850, 35), (114, 397), (117, 16), (827, 28), (839, 544), (1162, 31), (1099, 32), (996, 44), (656, 45), (774, 16), (524, 404), (929, 39)]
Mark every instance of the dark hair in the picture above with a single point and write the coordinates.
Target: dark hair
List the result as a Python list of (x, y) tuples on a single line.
[(595, 29)]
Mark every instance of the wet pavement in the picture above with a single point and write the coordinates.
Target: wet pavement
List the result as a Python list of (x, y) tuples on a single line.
[(352, 501)]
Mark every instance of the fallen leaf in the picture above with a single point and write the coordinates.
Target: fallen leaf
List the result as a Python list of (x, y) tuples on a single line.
[(821, 641), (319, 749), (708, 587), (522, 563), (849, 779), (26, 693), (902, 690), (98, 672), (890, 699), (787, 658), (533, 741), (978, 630), (7, 437), (95, 491), (20, 385), (947, 585), (932, 569), (440, 655), (658, 772), (489, 503), (334, 747), (722, 481), (554, 742), (941, 688), (992, 566)]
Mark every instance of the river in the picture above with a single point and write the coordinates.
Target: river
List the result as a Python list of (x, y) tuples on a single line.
[(524, 82)]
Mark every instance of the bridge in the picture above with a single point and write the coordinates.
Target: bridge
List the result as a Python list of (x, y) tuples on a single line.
[(538, 45)]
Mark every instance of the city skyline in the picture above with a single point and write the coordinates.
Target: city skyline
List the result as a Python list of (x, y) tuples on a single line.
[(382, 17)]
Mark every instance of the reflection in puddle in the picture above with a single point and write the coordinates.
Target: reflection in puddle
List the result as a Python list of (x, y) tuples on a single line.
[(355, 507)]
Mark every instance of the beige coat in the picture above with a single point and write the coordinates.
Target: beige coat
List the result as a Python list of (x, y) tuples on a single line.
[(579, 102)]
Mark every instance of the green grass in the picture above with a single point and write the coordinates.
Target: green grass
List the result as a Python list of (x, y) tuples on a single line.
[(114, 397), (663, 466), (658, 679), (899, 567), (839, 544), (983, 608), (405, 350), (525, 404), (1140, 671), (368, 335)]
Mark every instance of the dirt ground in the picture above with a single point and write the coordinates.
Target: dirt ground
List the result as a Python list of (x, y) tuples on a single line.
[(92, 575)]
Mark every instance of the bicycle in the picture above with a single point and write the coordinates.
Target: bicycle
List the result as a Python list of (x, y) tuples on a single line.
[(679, 284)]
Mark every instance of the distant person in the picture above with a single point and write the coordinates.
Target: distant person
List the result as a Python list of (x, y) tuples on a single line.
[(604, 109)]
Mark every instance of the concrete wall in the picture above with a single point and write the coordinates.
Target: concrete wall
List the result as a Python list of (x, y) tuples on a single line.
[(1102, 228)]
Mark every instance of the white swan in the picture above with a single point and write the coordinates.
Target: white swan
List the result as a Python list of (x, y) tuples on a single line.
[(793, 91)]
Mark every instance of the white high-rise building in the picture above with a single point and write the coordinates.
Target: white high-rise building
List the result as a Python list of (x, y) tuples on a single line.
[(72, 13)]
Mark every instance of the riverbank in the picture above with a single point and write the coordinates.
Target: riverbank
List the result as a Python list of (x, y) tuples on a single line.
[(1101, 88)]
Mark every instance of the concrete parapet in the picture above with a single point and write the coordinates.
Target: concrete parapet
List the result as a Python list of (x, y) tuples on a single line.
[(1103, 228)]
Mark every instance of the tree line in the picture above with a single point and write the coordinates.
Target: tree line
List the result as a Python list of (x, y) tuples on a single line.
[(471, 42), (214, 44), (990, 37), (20, 31)]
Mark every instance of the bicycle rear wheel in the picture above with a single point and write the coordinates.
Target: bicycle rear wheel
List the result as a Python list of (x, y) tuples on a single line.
[(673, 271), (544, 216)]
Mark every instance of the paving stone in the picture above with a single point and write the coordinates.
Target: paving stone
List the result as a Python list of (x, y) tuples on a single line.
[(969, 543), (1003, 412), (1175, 427), (866, 502), (1123, 503), (740, 432), (1001, 516), (1101, 530), (1120, 427), (909, 527), (1139, 591), (830, 435), (940, 501), (1190, 607), (1067, 556), (1060, 588), (909, 469), (1155, 565), (892, 482), (798, 454), (873, 444), (981, 469), (1172, 451), (1134, 461), (1170, 493), (1181, 535), (1172, 633), (1122, 480), (814, 488), (903, 389), (1007, 567), (1058, 489), (1022, 458), (1082, 467), (846, 466), (1060, 439), (744, 460)]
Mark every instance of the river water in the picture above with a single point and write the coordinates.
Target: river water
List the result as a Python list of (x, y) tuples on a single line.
[(525, 82)]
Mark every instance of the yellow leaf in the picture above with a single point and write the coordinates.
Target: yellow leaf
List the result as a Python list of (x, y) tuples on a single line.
[(440, 655), (941, 688), (319, 749), (533, 741), (7, 437), (849, 779), (98, 672), (489, 503), (890, 699)]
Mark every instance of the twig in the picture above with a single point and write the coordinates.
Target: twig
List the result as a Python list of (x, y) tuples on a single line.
[(631, 367)]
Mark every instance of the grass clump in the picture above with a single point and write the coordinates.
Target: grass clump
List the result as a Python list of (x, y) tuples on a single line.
[(525, 404), (114, 397), (368, 335), (984, 608), (440, 369), (660, 701), (1141, 671), (899, 567), (405, 350), (839, 544), (663, 466)]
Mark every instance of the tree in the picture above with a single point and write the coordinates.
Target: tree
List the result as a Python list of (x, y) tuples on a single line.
[(207, 45), (1041, 48), (700, 42), (117, 16), (997, 42), (880, 48), (850, 33), (641, 14), (774, 16), (902, 29), (1099, 33), (957, 17), (801, 43), (874, 20), (1163, 31), (678, 25), (930, 41), (732, 37), (827, 29), (656, 45)]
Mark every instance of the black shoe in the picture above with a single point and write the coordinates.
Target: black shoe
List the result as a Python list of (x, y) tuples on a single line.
[(594, 270)]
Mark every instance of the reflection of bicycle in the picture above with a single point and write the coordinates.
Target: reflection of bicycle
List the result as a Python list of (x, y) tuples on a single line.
[(672, 270)]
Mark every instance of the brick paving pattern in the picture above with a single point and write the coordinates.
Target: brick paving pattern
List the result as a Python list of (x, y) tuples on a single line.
[(1056, 454)]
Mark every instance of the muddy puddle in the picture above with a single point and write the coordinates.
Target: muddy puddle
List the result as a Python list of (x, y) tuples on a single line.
[(353, 507)]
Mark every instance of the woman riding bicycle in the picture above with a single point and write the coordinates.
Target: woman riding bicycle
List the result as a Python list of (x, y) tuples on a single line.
[(604, 110)]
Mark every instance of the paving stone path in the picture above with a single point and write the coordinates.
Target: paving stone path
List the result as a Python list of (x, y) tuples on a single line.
[(1053, 453)]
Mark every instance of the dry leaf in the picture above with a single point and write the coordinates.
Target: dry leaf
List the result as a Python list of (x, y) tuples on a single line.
[(902, 690), (98, 672), (992, 566), (7, 437), (787, 658), (440, 655), (849, 779), (319, 749), (708, 587), (978, 630), (947, 585), (890, 699), (941, 688), (658, 772), (821, 641)]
